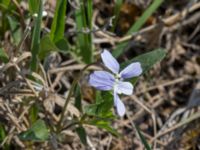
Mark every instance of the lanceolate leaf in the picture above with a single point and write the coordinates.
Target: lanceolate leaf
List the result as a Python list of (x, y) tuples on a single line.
[(78, 98), (104, 125), (82, 134), (147, 60)]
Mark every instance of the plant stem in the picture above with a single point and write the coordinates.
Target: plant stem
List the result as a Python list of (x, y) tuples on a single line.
[(75, 81)]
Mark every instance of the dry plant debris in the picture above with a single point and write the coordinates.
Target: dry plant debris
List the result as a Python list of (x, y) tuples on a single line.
[(165, 104)]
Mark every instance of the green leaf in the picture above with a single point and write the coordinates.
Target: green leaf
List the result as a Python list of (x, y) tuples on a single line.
[(35, 43), (46, 46), (78, 98), (3, 56), (33, 8), (104, 125), (103, 96), (89, 13), (102, 108), (5, 2), (142, 138), (148, 12), (3, 136), (98, 97), (2, 132), (118, 4), (33, 114), (82, 134), (62, 45), (91, 110), (107, 96), (137, 26), (99, 110), (38, 132), (148, 60), (84, 21), (58, 25), (15, 29)]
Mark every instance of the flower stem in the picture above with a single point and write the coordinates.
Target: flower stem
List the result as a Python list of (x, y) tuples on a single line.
[(75, 81)]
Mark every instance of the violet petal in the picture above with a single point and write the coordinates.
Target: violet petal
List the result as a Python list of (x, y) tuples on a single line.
[(123, 87), (132, 70), (102, 80), (110, 62), (119, 105)]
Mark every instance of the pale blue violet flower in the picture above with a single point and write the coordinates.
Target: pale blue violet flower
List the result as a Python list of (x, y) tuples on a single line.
[(105, 81)]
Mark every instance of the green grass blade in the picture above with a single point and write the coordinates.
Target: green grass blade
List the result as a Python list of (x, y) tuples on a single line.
[(137, 25), (33, 113), (83, 21), (117, 8), (3, 135), (36, 37), (141, 21), (58, 25), (142, 138), (2, 132), (89, 20), (33, 8), (89, 13)]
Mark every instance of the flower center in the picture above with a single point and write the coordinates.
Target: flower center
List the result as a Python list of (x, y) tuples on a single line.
[(117, 79), (118, 76)]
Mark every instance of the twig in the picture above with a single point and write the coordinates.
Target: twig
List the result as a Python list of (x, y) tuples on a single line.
[(141, 104), (56, 81), (166, 83), (184, 122), (13, 128), (72, 67)]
